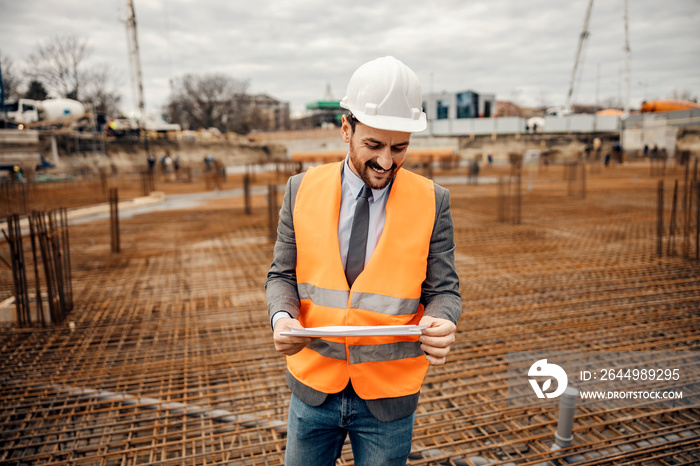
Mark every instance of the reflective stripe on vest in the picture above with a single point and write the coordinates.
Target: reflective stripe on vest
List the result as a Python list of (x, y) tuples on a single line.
[(387, 292), (367, 353), (370, 301)]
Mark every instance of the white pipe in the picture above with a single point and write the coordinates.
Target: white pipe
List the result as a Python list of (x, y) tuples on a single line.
[(567, 406), (54, 150)]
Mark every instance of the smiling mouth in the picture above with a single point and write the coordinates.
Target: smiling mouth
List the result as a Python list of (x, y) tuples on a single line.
[(379, 170)]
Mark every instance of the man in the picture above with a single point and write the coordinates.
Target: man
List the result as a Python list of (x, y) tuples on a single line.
[(363, 243)]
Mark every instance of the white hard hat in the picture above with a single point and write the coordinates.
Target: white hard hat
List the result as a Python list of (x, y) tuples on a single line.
[(385, 94)]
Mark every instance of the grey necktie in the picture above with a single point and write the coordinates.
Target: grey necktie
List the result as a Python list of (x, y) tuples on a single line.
[(358, 237)]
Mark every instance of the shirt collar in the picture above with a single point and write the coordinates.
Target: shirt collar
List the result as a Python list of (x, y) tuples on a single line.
[(355, 183)]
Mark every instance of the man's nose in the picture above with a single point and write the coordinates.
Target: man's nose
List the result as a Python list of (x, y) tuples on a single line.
[(385, 160)]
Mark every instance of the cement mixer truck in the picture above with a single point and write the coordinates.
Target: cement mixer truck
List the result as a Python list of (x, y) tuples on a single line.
[(25, 112)]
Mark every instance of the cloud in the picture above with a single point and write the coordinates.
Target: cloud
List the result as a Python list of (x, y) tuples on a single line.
[(293, 49)]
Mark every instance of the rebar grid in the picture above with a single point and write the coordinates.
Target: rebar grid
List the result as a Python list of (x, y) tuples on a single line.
[(23, 197), (170, 358)]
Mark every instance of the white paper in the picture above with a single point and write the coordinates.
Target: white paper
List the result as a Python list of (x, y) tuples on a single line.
[(356, 331)]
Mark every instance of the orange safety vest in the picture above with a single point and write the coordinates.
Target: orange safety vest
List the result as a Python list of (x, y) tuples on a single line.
[(387, 292)]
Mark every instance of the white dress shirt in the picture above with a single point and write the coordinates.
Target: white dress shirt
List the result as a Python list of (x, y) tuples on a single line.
[(351, 187)]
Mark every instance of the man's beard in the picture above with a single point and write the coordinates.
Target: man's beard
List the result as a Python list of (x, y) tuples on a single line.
[(364, 170)]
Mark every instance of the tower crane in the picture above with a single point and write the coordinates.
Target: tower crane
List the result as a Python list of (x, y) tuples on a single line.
[(577, 60), (581, 43), (135, 59), (135, 67), (628, 53)]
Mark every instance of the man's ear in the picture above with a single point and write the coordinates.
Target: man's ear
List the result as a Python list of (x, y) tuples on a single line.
[(346, 130)]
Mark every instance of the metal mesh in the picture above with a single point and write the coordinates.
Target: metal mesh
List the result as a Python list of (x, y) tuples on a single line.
[(169, 356)]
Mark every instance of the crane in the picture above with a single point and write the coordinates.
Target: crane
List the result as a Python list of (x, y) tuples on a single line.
[(135, 59), (135, 68), (577, 59), (2, 95), (581, 43), (628, 53)]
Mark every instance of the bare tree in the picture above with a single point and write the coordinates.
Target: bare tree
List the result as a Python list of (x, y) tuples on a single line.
[(36, 91), (58, 63), (543, 99), (610, 102), (99, 88), (208, 100), (10, 81), (683, 94)]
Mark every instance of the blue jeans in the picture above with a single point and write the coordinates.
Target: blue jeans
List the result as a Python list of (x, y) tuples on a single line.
[(315, 435)]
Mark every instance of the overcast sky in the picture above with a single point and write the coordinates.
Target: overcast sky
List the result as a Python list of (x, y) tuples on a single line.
[(522, 51)]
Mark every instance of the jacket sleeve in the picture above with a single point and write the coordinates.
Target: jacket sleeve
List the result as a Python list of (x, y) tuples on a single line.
[(281, 284), (440, 290)]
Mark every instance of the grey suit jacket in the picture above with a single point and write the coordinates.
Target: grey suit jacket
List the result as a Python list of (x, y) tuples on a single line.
[(440, 290)]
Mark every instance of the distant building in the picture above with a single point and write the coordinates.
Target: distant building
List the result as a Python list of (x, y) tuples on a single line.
[(459, 105), (326, 112), (507, 108), (589, 109), (272, 114)]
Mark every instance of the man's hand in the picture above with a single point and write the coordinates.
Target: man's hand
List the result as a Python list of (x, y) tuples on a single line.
[(286, 344), (437, 338)]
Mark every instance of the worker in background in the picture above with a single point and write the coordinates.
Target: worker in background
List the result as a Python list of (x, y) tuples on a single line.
[(16, 174), (208, 162), (112, 127), (598, 146), (151, 163), (474, 171), (363, 242), (166, 162)]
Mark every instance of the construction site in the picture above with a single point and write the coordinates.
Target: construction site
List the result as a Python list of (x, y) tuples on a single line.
[(135, 329)]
